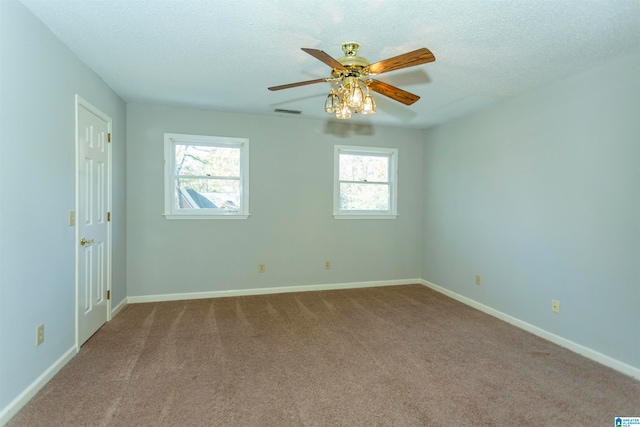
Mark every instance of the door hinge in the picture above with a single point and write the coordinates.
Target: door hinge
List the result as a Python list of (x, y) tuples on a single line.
[(109, 137), (108, 216), (108, 294)]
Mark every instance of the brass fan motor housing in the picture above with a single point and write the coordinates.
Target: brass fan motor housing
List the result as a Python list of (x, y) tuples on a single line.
[(355, 64)]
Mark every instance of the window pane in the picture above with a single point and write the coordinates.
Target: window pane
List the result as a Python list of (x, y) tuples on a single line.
[(364, 197), (208, 193), (364, 168), (201, 160)]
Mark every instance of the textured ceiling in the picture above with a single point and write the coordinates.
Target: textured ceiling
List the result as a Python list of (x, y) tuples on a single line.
[(223, 54)]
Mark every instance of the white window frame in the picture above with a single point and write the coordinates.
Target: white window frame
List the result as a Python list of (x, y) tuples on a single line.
[(392, 154), (170, 209)]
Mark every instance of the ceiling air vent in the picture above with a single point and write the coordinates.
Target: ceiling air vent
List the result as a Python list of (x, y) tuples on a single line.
[(280, 110)]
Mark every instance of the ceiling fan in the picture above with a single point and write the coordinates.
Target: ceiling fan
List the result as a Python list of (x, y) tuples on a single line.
[(351, 81)]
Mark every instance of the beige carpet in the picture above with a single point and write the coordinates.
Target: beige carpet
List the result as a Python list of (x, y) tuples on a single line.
[(391, 356)]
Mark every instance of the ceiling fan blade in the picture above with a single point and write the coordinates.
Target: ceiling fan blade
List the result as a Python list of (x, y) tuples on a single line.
[(417, 57), (308, 82), (324, 57), (392, 92)]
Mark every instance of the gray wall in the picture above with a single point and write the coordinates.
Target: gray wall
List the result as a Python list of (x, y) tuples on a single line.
[(541, 196), (39, 78), (291, 228)]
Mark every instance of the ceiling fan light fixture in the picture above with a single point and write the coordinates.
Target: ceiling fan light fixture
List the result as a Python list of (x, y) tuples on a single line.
[(350, 78), (350, 99)]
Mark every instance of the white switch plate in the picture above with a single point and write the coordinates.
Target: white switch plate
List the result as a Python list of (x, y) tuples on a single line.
[(39, 335), (72, 218)]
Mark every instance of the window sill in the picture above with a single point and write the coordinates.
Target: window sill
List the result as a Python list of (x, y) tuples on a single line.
[(359, 216), (221, 216)]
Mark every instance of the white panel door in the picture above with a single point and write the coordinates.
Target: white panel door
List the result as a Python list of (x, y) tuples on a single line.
[(93, 255)]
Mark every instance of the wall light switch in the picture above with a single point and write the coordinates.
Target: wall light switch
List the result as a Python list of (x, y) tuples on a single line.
[(72, 218)]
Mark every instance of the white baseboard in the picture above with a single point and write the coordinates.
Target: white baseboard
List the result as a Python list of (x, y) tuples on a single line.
[(563, 342), (12, 408), (119, 307), (264, 291)]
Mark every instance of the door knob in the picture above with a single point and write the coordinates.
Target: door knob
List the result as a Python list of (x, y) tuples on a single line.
[(85, 241)]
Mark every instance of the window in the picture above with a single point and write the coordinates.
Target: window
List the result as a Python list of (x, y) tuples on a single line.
[(206, 177), (365, 182)]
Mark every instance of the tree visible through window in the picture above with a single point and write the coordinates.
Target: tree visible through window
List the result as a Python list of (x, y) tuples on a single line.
[(205, 176), (365, 181)]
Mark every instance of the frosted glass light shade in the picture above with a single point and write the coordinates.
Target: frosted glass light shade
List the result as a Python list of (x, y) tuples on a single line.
[(331, 103), (355, 97), (368, 105), (343, 112)]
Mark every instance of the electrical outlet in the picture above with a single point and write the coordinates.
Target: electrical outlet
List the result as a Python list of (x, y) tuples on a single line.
[(39, 335), (478, 279), (327, 265), (261, 268), (555, 306)]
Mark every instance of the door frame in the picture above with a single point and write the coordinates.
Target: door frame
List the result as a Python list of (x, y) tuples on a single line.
[(82, 103)]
